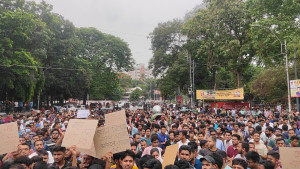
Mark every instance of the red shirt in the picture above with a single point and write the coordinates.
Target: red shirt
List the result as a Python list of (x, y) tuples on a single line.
[(8, 119), (231, 151)]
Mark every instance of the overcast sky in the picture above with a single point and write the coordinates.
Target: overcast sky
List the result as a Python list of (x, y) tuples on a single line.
[(131, 20)]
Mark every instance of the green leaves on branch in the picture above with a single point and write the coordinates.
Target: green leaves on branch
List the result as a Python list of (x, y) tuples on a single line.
[(42, 53)]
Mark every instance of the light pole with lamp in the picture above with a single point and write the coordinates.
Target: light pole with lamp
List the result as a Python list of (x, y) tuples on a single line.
[(286, 62)]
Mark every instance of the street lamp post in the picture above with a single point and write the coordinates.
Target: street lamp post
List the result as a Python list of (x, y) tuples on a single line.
[(286, 62)]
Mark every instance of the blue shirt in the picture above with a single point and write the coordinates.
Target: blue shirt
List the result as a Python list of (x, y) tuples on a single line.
[(198, 164), (161, 139), (147, 140), (220, 145)]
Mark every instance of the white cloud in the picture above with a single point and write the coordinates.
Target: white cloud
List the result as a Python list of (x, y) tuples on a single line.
[(131, 20)]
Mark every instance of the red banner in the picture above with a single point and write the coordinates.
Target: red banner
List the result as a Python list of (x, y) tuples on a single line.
[(230, 105)]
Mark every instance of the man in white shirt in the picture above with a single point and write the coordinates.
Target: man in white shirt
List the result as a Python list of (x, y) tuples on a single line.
[(183, 139), (227, 141), (39, 146)]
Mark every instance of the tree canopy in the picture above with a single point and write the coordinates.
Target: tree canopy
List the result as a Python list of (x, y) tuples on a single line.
[(43, 54)]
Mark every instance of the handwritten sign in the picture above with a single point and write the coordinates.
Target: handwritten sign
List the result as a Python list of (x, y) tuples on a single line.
[(118, 117), (290, 157), (83, 114), (9, 137), (170, 155), (114, 136), (80, 132)]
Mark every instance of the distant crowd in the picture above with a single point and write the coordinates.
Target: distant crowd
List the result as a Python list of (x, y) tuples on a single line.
[(207, 138)]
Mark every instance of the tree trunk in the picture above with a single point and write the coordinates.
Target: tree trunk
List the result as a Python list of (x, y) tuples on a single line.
[(85, 97)]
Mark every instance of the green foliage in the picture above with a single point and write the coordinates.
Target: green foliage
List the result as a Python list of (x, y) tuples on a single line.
[(60, 60), (271, 88), (227, 50), (135, 95)]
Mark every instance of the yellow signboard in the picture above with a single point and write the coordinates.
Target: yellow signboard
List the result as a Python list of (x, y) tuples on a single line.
[(236, 94)]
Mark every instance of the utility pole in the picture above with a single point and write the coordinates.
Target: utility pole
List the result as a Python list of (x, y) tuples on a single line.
[(191, 81), (287, 77), (193, 88), (296, 74)]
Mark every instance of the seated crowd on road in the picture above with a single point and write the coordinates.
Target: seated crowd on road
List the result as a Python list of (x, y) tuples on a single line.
[(208, 138)]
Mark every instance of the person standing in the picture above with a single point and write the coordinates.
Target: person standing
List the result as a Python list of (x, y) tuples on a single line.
[(59, 161), (212, 148), (232, 150), (163, 137), (260, 148), (253, 159)]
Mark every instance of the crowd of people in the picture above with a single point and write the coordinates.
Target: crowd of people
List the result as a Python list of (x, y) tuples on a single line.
[(209, 138)]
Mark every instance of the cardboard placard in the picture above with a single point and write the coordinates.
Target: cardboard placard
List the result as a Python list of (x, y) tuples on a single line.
[(80, 132), (170, 155), (83, 114), (290, 157), (113, 137), (118, 117), (9, 137)]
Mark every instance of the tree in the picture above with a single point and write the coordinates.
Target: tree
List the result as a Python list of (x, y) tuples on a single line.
[(271, 88), (22, 37), (223, 36), (135, 95)]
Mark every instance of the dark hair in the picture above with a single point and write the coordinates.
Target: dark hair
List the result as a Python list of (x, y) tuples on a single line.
[(218, 159), (127, 153), (255, 132), (202, 143), (58, 148), (23, 160), (237, 136), (152, 164), (117, 156), (267, 164), (252, 155), (154, 138), (228, 131), (185, 147), (16, 166), (285, 127), (222, 154), (36, 158), (26, 144), (213, 138), (40, 165), (270, 129), (201, 133), (53, 130), (134, 144), (193, 145), (171, 167), (143, 160), (238, 124), (134, 136), (163, 127), (245, 146), (280, 139), (153, 150), (182, 164), (294, 137), (274, 154), (258, 128), (184, 133), (43, 152), (37, 141), (171, 132), (241, 162)]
